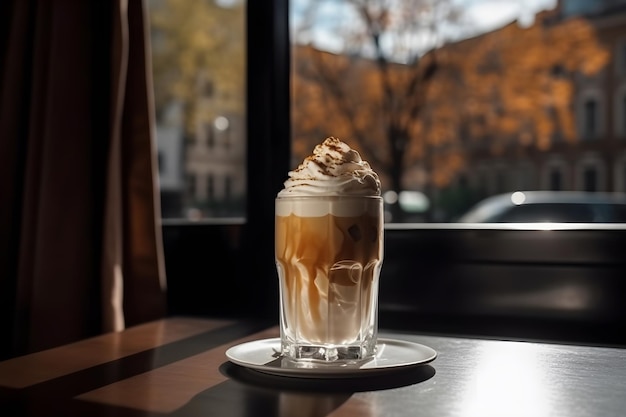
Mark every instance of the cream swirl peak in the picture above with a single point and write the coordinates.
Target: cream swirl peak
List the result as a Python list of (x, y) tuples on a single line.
[(333, 169)]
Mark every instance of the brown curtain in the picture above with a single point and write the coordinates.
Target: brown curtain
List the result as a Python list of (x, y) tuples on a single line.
[(80, 244)]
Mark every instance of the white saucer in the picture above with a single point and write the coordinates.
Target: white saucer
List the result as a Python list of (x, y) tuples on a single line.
[(391, 355)]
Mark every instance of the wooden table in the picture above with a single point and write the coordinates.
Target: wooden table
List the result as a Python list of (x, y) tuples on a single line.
[(177, 366)]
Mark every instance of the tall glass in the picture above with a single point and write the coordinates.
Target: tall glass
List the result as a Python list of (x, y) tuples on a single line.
[(329, 253)]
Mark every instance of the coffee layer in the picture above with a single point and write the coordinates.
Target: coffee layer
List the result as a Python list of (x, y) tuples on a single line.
[(328, 267)]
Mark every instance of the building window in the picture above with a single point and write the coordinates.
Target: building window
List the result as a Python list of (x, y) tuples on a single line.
[(556, 179), (590, 118), (226, 139), (620, 58), (210, 187), (554, 174), (590, 179), (208, 89), (228, 185), (591, 173), (619, 173), (589, 114), (210, 135), (619, 112), (191, 185)]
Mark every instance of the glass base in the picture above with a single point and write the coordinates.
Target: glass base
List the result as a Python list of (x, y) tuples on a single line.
[(330, 354)]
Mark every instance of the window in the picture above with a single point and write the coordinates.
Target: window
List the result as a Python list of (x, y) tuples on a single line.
[(451, 92), (620, 112), (227, 187), (210, 135), (590, 116), (590, 179), (620, 58), (199, 73), (210, 187), (190, 182), (555, 175), (591, 173), (619, 173), (556, 180)]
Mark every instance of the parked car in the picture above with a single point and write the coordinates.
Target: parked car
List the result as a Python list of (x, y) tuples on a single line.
[(549, 206)]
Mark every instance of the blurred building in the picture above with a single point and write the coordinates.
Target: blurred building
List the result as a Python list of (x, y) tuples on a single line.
[(596, 159), (215, 159), (199, 75)]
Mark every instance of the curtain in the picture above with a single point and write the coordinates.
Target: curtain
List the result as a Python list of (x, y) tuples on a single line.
[(80, 241)]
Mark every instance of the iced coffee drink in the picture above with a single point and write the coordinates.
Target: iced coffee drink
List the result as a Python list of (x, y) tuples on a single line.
[(329, 252)]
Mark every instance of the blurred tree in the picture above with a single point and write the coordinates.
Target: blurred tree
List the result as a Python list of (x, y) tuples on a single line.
[(197, 56), (371, 93)]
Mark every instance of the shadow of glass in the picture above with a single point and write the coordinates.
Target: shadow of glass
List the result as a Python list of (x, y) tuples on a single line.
[(248, 392), (372, 382)]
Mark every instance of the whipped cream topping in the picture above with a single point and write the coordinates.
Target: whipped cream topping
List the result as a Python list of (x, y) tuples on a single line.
[(333, 169)]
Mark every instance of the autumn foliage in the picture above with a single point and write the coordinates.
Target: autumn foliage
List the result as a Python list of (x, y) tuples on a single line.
[(510, 88)]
